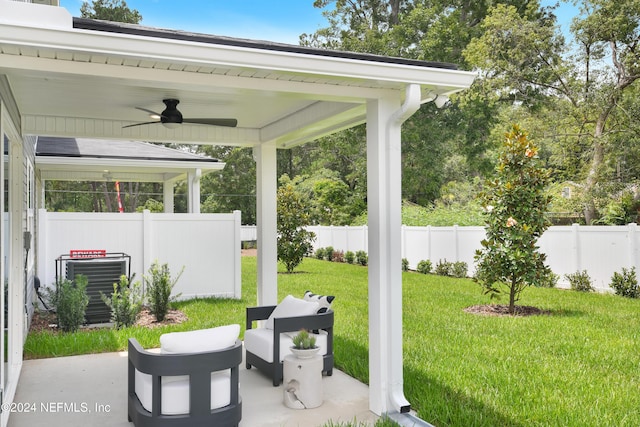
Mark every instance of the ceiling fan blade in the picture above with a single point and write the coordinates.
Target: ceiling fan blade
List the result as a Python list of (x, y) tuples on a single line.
[(214, 122), (139, 124), (149, 111)]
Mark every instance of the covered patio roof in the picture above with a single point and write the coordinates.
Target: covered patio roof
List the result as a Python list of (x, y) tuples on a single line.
[(70, 77), (78, 159), (78, 77)]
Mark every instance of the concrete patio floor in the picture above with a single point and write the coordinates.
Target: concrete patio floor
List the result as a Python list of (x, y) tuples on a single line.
[(91, 390)]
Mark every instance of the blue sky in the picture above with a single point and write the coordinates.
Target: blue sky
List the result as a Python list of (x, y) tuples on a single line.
[(273, 20)]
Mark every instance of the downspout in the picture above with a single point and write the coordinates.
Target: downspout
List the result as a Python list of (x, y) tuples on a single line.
[(411, 104)]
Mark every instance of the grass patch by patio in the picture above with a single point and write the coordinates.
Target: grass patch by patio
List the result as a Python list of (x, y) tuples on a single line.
[(577, 366)]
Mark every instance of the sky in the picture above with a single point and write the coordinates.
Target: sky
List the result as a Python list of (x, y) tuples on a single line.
[(272, 20)]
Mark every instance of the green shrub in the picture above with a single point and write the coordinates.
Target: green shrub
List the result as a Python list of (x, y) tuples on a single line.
[(626, 284), (362, 258), (319, 254), (424, 266), (458, 269), (548, 280), (580, 281), (294, 240), (338, 256), (405, 264), (443, 268), (349, 257), (159, 287), (125, 302), (70, 301), (328, 253)]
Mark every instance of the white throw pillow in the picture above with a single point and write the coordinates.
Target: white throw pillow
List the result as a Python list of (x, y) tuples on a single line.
[(324, 301), (292, 307), (199, 341)]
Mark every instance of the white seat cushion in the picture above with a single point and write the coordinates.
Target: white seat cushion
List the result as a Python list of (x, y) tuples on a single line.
[(175, 392), (260, 342), (175, 389), (202, 340)]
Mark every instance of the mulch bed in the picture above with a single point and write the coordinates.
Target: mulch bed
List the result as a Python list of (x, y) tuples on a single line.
[(503, 310), (46, 321)]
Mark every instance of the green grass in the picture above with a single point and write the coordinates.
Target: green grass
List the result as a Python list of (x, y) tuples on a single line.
[(579, 366)]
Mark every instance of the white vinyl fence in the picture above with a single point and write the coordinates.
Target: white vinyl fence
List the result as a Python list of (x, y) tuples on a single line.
[(600, 250), (207, 245)]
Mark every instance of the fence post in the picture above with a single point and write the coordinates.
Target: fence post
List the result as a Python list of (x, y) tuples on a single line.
[(429, 242), (147, 244), (456, 243), (577, 261), (237, 250), (41, 255), (403, 239), (631, 233)]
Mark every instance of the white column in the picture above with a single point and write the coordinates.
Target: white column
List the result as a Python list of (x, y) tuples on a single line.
[(167, 196), (267, 221), (194, 191), (384, 188), (17, 216)]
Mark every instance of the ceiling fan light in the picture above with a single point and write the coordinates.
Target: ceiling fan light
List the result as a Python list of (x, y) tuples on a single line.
[(171, 125)]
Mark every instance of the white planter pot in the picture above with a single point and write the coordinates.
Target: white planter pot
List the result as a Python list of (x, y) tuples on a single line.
[(304, 353)]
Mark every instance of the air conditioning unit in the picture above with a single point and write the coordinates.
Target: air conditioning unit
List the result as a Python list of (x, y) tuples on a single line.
[(101, 273)]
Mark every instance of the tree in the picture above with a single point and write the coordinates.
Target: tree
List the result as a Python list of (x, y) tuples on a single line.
[(515, 202), (233, 188), (530, 62), (110, 10), (429, 30), (294, 242)]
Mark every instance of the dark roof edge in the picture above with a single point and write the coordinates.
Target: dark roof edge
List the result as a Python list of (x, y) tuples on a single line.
[(98, 156), (139, 30)]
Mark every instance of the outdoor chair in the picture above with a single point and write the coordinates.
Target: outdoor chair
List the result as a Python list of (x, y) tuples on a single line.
[(266, 347), (193, 381)]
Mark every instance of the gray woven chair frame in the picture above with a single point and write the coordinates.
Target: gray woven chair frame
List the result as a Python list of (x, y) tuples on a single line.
[(320, 321), (199, 366)]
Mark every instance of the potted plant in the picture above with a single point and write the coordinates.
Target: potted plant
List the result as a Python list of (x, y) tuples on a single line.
[(304, 345)]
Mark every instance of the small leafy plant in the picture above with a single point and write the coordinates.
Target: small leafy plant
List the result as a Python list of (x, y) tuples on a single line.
[(626, 284), (319, 254), (125, 302), (424, 266), (362, 258), (405, 264), (159, 287), (349, 257), (458, 269), (303, 340), (338, 256), (70, 301), (328, 253), (443, 268), (580, 281)]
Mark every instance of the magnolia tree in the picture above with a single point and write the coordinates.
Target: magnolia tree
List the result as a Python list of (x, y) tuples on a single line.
[(515, 203), (294, 241)]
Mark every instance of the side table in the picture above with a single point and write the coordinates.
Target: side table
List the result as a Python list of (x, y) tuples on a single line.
[(302, 381)]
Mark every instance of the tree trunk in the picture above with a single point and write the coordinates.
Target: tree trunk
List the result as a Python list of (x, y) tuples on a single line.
[(594, 169), (97, 203), (107, 197), (512, 297)]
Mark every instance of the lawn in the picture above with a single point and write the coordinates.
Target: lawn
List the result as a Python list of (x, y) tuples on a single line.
[(578, 366)]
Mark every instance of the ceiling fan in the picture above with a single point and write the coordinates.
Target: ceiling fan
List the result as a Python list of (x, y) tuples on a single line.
[(171, 117)]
